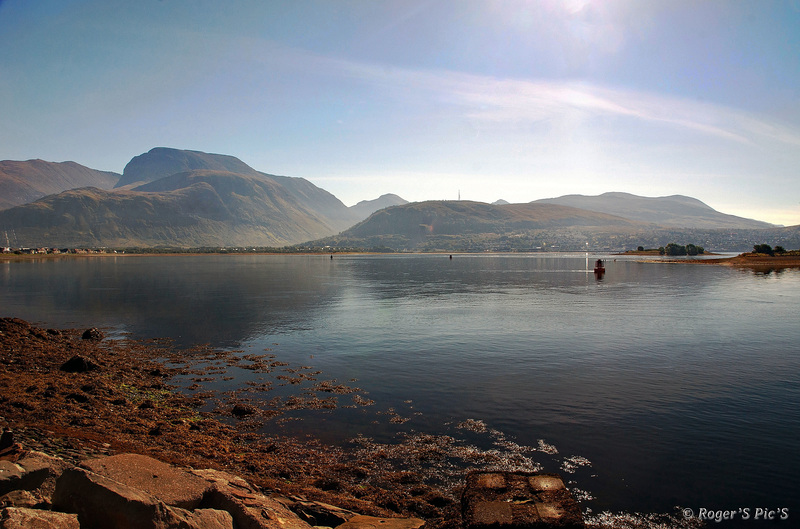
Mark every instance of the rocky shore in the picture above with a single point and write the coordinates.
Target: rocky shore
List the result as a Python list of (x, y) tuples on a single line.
[(74, 395), (74, 404), (121, 491)]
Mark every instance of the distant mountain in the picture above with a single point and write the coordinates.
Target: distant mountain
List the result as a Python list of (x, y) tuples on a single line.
[(196, 207), (674, 211), (365, 208), (457, 224), (500, 202), (466, 217), (23, 182), (163, 161)]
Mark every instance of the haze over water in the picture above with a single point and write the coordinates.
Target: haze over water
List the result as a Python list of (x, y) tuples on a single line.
[(678, 383)]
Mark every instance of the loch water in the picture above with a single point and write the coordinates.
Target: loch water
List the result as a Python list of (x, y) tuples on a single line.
[(658, 384)]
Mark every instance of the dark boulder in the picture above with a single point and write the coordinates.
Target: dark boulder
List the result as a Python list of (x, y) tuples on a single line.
[(94, 334), (241, 410), (78, 364)]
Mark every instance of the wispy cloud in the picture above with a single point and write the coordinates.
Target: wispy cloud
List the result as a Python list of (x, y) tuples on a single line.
[(509, 101)]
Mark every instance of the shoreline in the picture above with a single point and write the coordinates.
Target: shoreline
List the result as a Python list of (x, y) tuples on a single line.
[(758, 262), (743, 260), (126, 403)]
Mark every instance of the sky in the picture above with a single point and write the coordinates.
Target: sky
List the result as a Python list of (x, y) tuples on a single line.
[(431, 100)]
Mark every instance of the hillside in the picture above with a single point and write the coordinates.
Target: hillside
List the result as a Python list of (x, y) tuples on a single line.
[(23, 182), (465, 225), (465, 217), (197, 208), (315, 199), (675, 211)]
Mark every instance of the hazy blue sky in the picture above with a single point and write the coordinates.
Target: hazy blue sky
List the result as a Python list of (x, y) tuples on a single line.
[(514, 99)]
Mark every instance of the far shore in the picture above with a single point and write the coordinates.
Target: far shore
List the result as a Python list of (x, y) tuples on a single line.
[(655, 252), (758, 260), (750, 260), (744, 260), (52, 256)]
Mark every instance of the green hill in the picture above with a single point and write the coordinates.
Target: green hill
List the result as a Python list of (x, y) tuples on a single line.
[(464, 225)]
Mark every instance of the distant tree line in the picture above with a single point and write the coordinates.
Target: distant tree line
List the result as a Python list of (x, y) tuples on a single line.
[(767, 249), (678, 249)]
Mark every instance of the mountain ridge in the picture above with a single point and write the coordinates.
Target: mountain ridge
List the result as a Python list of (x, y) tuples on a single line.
[(675, 211), (22, 182)]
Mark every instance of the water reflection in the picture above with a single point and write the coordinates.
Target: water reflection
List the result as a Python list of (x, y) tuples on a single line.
[(221, 300), (226, 300)]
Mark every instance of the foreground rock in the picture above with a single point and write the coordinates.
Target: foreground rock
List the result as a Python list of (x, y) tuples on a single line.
[(249, 508), (101, 502), (132, 491), (172, 485)]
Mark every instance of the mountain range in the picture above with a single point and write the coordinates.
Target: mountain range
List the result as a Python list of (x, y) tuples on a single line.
[(462, 226), (181, 198), (171, 197)]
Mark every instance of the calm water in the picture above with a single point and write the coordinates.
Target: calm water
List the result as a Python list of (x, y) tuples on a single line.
[(679, 383)]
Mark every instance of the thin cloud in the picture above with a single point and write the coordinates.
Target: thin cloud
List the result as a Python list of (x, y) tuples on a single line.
[(516, 100), (509, 102)]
